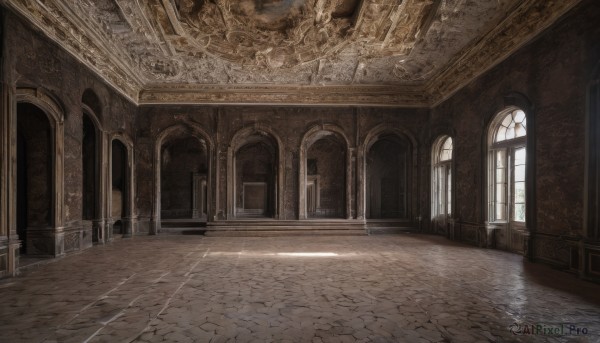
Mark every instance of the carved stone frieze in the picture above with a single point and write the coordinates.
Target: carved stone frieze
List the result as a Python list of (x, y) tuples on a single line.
[(372, 52)]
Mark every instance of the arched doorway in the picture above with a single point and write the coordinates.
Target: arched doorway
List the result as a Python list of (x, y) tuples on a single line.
[(387, 178), (184, 165), (255, 177), (121, 192), (174, 144), (255, 174), (35, 188), (388, 155), (119, 186), (324, 174), (90, 204)]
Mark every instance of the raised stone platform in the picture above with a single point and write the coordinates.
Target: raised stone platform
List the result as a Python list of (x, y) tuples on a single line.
[(188, 226), (389, 226), (271, 227)]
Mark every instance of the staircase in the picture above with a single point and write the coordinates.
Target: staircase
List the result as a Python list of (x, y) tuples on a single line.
[(389, 226), (265, 227), (187, 226)]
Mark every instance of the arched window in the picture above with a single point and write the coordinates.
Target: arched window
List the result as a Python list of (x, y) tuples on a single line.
[(441, 183), (506, 166)]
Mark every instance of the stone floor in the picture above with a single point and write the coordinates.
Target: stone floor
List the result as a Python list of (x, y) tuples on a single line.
[(404, 288)]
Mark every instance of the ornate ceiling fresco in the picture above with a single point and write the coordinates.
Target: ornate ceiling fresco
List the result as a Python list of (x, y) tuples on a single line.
[(376, 52)]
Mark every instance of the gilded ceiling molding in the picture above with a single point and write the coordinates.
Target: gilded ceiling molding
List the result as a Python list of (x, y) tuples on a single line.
[(522, 25)]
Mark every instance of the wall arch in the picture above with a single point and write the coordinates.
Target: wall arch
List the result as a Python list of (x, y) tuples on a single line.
[(239, 140), (374, 135), (192, 130), (511, 101), (55, 114), (512, 235), (312, 135), (91, 100), (128, 218), (98, 177)]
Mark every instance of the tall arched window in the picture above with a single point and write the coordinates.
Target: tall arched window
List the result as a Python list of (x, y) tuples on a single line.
[(441, 183), (507, 143)]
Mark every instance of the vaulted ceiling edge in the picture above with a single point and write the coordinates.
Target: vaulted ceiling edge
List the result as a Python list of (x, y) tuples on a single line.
[(91, 50), (408, 53), (527, 20)]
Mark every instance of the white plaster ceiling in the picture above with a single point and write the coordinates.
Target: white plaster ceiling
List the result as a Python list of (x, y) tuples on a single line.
[(380, 52)]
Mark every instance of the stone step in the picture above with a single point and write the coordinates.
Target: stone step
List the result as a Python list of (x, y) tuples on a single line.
[(389, 230), (182, 223), (182, 231), (284, 231), (272, 227)]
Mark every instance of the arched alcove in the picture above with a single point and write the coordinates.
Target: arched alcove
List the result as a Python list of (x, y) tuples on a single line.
[(90, 172), (183, 159), (255, 177), (325, 174), (388, 161), (38, 192), (183, 149), (122, 191), (34, 175)]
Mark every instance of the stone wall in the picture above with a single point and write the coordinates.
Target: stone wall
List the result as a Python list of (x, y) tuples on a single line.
[(552, 74), (36, 70), (285, 125)]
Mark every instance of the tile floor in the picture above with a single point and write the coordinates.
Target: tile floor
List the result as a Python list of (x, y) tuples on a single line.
[(404, 288)]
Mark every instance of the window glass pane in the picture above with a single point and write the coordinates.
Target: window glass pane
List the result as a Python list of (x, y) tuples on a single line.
[(500, 175), (520, 156), (501, 193), (500, 212), (449, 192), (446, 152), (500, 158), (441, 190), (501, 135), (519, 116), (510, 133), (512, 126), (520, 130), (519, 196), (519, 210), (520, 173)]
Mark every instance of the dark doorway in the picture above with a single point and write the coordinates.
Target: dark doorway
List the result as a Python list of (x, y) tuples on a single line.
[(182, 161), (386, 180), (255, 179), (34, 175), (22, 190), (120, 189), (326, 178), (89, 170)]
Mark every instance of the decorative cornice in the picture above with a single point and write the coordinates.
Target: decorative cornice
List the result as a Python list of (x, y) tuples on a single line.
[(98, 54), (371, 95), (527, 21)]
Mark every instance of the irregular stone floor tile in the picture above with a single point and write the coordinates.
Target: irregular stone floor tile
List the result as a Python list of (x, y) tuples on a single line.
[(396, 288)]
